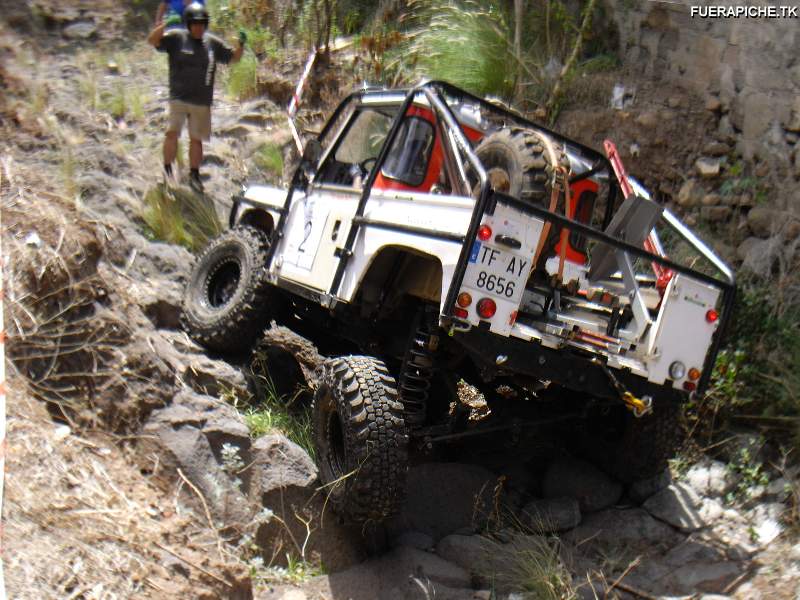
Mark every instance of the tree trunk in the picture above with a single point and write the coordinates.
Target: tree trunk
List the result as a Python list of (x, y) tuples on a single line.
[(519, 11)]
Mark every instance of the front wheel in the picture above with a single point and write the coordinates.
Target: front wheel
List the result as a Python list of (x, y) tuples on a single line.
[(360, 438), (227, 301)]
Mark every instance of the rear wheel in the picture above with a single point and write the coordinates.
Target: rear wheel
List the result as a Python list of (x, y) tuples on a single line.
[(227, 300), (360, 438), (640, 448)]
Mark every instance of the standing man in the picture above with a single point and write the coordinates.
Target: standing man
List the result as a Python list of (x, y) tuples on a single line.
[(193, 57)]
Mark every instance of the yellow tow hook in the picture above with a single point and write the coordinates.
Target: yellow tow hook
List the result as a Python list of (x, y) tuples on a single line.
[(638, 406)]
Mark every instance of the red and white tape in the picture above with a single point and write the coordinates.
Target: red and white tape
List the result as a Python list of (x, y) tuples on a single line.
[(295, 102)]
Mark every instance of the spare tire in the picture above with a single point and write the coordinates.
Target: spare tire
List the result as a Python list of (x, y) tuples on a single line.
[(227, 300), (518, 164)]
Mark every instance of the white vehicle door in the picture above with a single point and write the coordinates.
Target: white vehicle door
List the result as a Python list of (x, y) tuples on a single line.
[(319, 221)]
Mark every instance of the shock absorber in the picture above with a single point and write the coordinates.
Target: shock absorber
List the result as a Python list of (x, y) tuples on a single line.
[(416, 375)]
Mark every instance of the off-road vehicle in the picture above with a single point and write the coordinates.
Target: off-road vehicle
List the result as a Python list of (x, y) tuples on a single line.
[(435, 240)]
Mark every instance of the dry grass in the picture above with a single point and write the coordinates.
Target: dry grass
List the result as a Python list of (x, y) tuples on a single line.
[(78, 506)]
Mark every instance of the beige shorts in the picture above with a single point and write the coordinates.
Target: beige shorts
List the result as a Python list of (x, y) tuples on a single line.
[(199, 119)]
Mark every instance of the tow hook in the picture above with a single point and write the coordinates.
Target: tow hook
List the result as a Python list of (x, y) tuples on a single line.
[(638, 406)]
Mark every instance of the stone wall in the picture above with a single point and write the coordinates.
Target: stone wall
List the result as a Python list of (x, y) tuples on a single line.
[(748, 70)]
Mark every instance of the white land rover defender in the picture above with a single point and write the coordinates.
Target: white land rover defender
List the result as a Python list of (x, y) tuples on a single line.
[(429, 236)]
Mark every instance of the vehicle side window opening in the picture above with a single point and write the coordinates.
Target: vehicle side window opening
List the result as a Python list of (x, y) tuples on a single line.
[(410, 154), (358, 148)]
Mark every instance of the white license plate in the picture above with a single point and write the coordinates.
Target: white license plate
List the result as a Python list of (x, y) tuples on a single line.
[(497, 272)]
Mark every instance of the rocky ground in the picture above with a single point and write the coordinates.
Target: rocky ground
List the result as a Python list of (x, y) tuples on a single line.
[(131, 473)]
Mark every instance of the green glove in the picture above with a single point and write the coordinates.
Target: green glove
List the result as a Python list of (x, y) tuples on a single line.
[(172, 19), (242, 37)]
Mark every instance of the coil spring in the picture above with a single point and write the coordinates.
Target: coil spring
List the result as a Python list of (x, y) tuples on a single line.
[(415, 379)]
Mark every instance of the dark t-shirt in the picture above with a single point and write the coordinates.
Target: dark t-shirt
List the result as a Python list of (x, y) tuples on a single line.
[(193, 64)]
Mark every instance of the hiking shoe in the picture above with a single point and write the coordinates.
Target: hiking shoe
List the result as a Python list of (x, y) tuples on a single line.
[(196, 183), (170, 179)]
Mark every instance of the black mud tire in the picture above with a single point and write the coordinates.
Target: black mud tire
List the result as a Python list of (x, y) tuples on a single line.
[(227, 299), (360, 438), (646, 444), (518, 164)]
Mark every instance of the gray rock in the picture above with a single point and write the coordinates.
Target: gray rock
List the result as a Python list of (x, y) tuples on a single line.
[(713, 104), (682, 508), (706, 576), (196, 434), (443, 498), (551, 514), (761, 255), (709, 478), (763, 221), (693, 549), (716, 149), (471, 553), (765, 523), (711, 200), (283, 479), (715, 214), (414, 539), (80, 30), (430, 566), (648, 119), (747, 245), (572, 478), (779, 489), (160, 299), (280, 469), (707, 167), (623, 526), (641, 490), (691, 194), (214, 377)]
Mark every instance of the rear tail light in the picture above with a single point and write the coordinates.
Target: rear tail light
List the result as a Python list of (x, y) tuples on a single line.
[(486, 308), (464, 300), (460, 313), (689, 386), (712, 315), (694, 374), (484, 233)]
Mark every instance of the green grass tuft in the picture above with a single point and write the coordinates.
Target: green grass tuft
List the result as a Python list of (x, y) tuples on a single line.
[(242, 82), (179, 216), (274, 413), (269, 158)]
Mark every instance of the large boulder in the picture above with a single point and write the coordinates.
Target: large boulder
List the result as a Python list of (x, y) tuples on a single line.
[(283, 479), (445, 498), (202, 374), (208, 441), (402, 574), (572, 478)]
